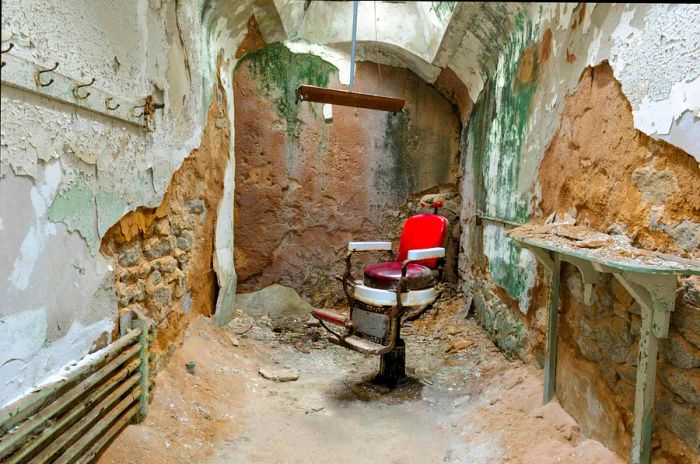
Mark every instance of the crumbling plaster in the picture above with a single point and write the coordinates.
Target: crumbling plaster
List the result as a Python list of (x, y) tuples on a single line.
[(71, 174), (579, 37), (75, 174)]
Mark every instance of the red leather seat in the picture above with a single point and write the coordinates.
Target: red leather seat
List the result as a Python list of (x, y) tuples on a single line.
[(386, 276)]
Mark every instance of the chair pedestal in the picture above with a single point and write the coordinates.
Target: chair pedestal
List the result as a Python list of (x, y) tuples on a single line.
[(392, 366)]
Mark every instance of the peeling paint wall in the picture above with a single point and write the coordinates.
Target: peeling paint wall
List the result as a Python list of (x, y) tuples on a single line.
[(306, 187), (67, 175), (519, 118), (163, 257)]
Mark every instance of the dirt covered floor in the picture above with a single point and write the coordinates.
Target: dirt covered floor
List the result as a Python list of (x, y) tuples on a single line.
[(466, 403)]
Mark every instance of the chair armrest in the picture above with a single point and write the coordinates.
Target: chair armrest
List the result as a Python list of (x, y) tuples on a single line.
[(329, 316), (426, 253), (369, 246)]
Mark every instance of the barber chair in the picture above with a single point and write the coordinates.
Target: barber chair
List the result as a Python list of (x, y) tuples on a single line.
[(388, 290)]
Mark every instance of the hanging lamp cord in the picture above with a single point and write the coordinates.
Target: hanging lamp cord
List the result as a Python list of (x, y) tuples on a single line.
[(354, 39)]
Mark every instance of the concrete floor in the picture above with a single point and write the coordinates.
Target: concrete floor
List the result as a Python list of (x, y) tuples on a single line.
[(471, 406)]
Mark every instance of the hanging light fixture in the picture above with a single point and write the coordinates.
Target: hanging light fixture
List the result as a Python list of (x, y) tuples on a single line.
[(349, 97)]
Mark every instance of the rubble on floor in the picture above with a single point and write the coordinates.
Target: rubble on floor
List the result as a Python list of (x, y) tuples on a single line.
[(465, 402)]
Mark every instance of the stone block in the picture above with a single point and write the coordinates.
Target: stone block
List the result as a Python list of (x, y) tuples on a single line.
[(613, 336), (679, 352), (588, 347), (130, 254), (184, 241), (686, 319), (681, 419), (161, 295), (155, 278), (275, 301), (157, 247), (683, 382), (691, 290)]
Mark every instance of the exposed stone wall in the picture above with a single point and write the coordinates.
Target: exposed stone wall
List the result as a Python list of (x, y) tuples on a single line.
[(67, 175), (609, 176), (530, 151), (163, 256), (304, 188)]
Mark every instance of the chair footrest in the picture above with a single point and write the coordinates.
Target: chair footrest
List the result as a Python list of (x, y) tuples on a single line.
[(360, 345), (330, 316)]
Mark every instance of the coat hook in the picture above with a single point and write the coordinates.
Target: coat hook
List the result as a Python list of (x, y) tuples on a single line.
[(143, 112), (37, 76), (5, 51), (76, 90), (108, 104)]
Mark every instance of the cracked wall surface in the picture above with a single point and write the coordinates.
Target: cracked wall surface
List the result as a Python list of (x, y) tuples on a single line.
[(163, 257), (648, 191), (75, 174), (67, 175), (586, 156), (306, 187)]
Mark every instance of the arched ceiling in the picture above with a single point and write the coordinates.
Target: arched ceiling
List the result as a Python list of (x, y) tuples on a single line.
[(425, 37)]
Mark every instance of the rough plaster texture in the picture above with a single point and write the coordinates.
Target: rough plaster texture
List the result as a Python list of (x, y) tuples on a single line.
[(76, 174), (531, 89), (163, 256), (305, 187), (544, 61), (73, 174)]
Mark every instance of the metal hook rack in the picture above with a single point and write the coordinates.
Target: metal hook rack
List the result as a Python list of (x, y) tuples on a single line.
[(10, 47), (27, 76)]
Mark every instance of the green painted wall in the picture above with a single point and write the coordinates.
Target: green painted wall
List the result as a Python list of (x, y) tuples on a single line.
[(497, 131), (275, 67)]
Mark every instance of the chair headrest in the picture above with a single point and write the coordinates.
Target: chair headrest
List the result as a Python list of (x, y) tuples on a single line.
[(433, 200)]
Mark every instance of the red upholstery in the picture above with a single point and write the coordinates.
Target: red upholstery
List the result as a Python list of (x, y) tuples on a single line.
[(423, 231), (387, 276)]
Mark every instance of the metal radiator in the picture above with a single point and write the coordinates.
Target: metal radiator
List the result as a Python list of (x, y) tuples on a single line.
[(72, 419)]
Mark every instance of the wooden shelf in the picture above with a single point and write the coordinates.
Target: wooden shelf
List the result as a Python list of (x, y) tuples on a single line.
[(345, 98)]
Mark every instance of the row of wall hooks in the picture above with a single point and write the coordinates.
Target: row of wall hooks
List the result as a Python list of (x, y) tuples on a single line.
[(24, 75)]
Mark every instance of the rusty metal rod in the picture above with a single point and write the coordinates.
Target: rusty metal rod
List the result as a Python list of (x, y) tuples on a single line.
[(79, 427), (96, 430), (13, 440), (481, 215), (96, 447), (75, 412), (21, 409)]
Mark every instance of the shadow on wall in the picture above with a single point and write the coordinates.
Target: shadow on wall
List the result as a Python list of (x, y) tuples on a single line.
[(304, 188)]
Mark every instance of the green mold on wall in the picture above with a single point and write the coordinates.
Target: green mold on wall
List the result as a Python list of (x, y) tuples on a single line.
[(497, 133), (75, 208), (277, 69), (392, 175), (443, 10), (502, 325)]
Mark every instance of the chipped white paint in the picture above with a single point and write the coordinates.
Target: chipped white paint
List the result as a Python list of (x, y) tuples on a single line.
[(24, 360), (37, 236), (659, 117), (655, 53), (72, 174)]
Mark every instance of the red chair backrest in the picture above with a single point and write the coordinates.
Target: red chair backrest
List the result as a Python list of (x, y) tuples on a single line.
[(423, 231)]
